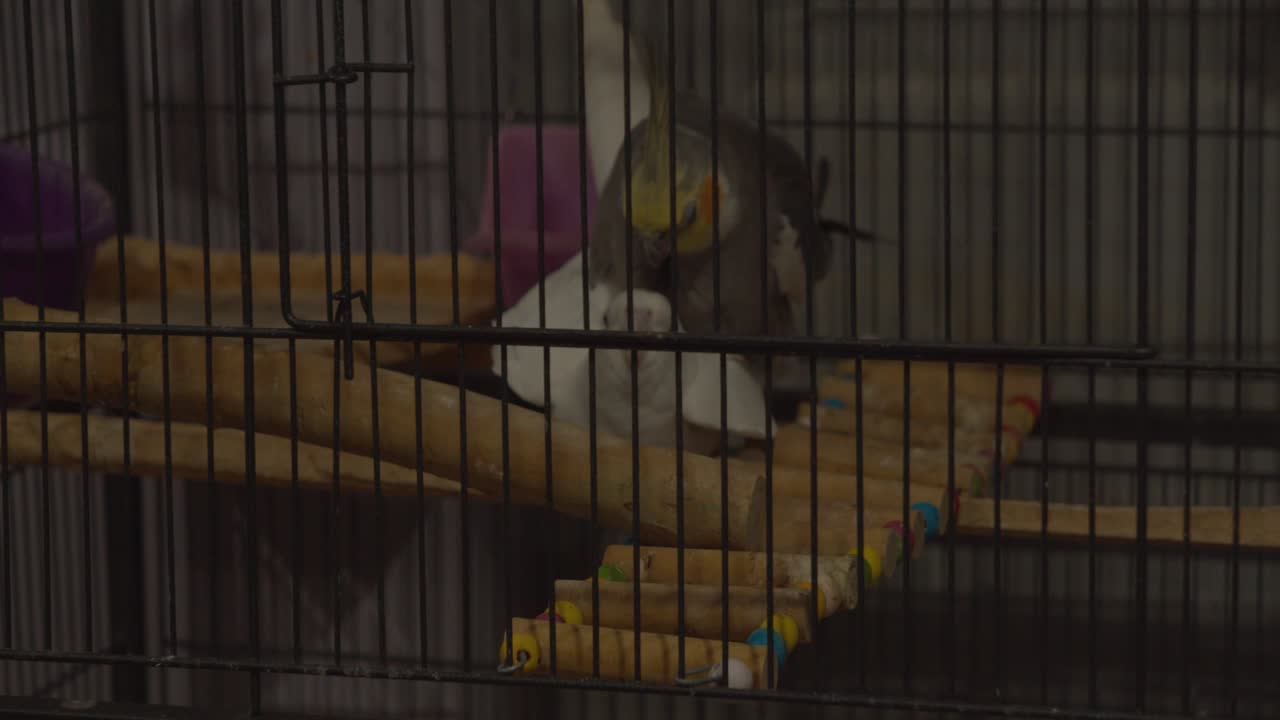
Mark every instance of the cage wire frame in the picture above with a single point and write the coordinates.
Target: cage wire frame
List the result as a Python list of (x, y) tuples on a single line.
[(1144, 355)]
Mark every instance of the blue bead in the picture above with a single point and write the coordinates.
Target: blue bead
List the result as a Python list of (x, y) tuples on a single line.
[(759, 637), (834, 404), (932, 518)]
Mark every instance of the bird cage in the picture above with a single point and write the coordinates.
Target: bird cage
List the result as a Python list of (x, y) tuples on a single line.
[(317, 401)]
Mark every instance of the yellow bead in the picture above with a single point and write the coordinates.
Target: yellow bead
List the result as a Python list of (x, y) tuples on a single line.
[(786, 625), (1019, 416), (525, 646), (870, 559), (822, 599), (569, 612)]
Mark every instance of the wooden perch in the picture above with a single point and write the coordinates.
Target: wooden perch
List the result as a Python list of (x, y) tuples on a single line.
[(273, 465), (882, 393), (836, 580), (441, 438), (184, 266), (972, 380), (397, 442), (838, 531), (794, 481), (184, 269), (659, 654), (1210, 526), (838, 453), (887, 429), (703, 607)]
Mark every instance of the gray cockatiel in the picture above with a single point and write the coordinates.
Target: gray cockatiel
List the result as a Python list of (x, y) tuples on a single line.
[(787, 222)]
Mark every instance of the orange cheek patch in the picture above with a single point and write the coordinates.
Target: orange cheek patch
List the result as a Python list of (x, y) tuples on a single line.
[(705, 195)]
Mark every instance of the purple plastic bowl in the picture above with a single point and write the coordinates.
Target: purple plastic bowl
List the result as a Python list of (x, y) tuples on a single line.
[(66, 264), (561, 205)]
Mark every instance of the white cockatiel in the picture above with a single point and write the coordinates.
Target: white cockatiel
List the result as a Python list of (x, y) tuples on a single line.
[(656, 382), (655, 371)]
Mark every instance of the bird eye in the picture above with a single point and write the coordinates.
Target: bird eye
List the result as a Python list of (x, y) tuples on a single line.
[(690, 212)]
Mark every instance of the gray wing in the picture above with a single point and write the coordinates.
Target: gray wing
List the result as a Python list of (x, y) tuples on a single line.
[(791, 226), (791, 184)]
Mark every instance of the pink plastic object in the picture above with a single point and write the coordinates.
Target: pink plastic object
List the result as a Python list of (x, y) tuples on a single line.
[(517, 184)]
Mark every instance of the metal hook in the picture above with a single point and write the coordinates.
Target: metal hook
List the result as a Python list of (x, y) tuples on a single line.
[(344, 313), (689, 681), (522, 659)]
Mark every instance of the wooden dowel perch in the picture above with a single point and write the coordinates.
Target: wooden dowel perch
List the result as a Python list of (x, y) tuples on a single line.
[(397, 441), (974, 381), (878, 493), (184, 270), (836, 580), (441, 436), (1210, 526), (189, 455), (703, 607), (794, 481), (659, 654), (929, 402), (887, 429), (882, 530), (838, 453), (184, 265)]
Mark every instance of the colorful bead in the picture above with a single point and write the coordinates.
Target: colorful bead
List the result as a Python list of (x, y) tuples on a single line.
[(870, 563), (787, 626), (822, 598), (568, 612), (932, 518), (976, 479), (612, 573), (1029, 403), (902, 532), (760, 637), (834, 404), (524, 646)]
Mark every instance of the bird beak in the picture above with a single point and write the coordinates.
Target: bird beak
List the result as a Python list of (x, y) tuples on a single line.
[(691, 242), (657, 248)]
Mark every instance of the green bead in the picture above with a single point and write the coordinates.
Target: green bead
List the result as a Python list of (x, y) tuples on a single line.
[(611, 572)]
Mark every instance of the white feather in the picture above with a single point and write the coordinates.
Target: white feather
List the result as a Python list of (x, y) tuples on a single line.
[(604, 87), (570, 398), (563, 310)]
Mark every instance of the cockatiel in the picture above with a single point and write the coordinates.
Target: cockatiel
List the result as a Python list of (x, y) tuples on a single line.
[(786, 222), (655, 379), (569, 397)]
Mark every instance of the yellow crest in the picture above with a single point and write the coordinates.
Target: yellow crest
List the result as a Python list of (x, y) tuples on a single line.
[(652, 179)]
